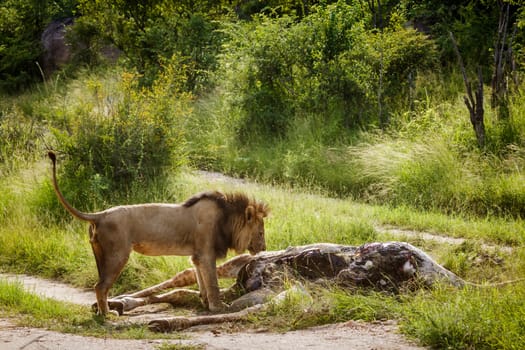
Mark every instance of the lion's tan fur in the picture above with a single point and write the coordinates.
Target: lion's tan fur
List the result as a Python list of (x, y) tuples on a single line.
[(204, 227)]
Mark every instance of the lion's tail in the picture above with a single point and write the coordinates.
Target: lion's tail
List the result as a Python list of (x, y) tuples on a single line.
[(91, 217)]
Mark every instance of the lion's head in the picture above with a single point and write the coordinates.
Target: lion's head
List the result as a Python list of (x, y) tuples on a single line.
[(242, 221), (248, 224)]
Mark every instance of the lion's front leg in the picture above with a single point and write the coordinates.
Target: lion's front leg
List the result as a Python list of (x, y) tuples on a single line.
[(208, 283), (203, 295)]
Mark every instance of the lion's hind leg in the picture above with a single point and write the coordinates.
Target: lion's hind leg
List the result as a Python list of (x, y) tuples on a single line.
[(110, 263)]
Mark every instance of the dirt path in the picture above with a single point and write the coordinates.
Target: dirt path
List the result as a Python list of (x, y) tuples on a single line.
[(427, 236), (348, 335)]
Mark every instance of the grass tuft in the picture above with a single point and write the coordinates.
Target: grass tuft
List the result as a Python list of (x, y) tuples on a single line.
[(486, 318)]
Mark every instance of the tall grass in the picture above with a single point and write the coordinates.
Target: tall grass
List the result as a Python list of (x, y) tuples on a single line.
[(59, 248), (21, 136), (428, 160), (431, 175), (443, 318)]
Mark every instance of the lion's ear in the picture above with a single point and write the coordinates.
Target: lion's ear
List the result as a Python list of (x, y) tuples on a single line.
[(249, 213)]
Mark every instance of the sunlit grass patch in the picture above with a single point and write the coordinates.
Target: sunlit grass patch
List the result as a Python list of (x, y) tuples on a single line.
[(28, 309), (36, 311), (443, 317), (471, 318)]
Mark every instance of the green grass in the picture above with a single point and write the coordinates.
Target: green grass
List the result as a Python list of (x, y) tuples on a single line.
[(484, 318), (490, 229), (27, 309), (442, 318), (34, 311), (299, 214), (403, 178), (61, 250)]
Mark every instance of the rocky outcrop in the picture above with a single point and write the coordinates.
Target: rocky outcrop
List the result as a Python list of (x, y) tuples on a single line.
[(56, 49)]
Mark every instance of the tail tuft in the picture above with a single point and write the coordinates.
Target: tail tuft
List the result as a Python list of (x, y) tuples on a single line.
[(75, 212), (52, 156)]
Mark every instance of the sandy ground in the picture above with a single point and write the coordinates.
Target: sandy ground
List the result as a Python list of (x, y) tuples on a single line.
[(349, 335)]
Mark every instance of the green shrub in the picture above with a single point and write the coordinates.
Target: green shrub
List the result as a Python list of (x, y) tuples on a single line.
[(150, 32), (120, 137), (329, 65)]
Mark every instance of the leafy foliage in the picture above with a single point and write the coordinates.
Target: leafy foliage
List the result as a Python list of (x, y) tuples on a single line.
[(328, 64), (122, 136), (21, 25), (150, 32)]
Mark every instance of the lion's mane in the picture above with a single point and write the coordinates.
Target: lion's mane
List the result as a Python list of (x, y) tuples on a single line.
[(228, 232)]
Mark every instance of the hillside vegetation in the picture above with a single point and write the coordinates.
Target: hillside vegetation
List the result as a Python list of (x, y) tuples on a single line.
[(351, 115), (345, 97)]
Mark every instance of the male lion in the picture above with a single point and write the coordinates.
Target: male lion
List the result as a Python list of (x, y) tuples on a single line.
[(204, 227)]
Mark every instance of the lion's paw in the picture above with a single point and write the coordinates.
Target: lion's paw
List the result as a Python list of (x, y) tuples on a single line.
[(218, 308)]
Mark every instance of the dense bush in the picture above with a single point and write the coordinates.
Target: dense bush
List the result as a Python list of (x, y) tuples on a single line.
[(150, 32), (120, 136), (329, 64)]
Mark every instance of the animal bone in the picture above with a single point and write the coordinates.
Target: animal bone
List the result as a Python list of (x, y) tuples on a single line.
[(381, 266)]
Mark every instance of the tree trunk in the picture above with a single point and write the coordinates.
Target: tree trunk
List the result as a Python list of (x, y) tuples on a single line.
[(474, 105), (499, 85)]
